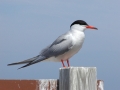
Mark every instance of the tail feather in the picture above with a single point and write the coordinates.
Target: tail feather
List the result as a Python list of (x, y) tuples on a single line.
[(25, 61), (39, 59)]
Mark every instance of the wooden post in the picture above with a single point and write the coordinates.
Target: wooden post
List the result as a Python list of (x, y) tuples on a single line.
[(78, 78), (100, 85), (47, 84)]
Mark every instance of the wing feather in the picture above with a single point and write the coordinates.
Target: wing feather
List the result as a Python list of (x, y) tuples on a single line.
[(61, 45)]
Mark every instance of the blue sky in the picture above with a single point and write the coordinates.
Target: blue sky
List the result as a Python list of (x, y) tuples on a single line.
[(27, 26)]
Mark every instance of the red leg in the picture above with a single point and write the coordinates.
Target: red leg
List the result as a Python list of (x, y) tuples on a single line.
[(63, 63), (68, 63)]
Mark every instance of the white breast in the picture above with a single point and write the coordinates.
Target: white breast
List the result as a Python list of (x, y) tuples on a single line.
[(78, 39)]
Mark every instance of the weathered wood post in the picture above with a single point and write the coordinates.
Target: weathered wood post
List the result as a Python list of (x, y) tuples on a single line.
[(100, 85), (78, 78)]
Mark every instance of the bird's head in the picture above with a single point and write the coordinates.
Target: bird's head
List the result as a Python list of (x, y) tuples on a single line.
[(81, 25)]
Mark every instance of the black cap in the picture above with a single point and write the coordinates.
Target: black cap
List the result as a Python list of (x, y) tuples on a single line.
[(80, 22)]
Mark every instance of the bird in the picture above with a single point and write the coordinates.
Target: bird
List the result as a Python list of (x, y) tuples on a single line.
[(63, 48)]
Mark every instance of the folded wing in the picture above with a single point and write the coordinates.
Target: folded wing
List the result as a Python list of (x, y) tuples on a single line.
[(60, 46)]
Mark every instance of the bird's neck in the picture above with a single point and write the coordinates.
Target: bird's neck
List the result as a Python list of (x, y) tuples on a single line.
[(77, 28), (77, 31)]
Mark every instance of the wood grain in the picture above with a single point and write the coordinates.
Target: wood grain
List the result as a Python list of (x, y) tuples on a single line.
[(78, 78)]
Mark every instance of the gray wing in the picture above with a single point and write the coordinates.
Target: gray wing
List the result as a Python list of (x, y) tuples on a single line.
[(25, 61), (61, 45)]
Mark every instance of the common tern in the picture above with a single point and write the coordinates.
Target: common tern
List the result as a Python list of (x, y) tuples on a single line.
[(63, 48)]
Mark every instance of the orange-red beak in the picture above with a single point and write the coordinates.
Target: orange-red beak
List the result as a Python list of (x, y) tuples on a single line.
[(91, 27)]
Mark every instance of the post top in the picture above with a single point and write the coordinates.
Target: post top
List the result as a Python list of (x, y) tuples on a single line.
[(77, 67)]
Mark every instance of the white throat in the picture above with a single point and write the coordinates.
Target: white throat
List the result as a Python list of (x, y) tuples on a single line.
[(77, 32), (78, 27)]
